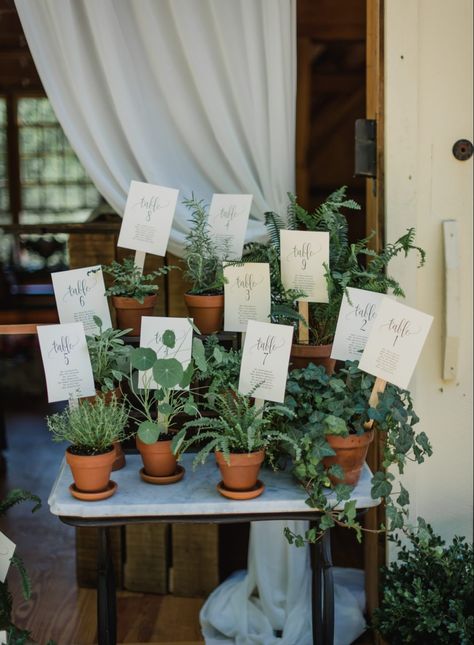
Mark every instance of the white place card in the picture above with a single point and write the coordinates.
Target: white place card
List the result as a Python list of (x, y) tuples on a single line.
[(228, 218), (3, 638), (395, 342), (7, 549), (356, 317), (247, 295), (152, 330), (149, 212), (80, 295), (265, 359), (66, 361), (304, 255)]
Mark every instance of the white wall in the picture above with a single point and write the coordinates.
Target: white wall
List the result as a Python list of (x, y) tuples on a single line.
[(428, 106)]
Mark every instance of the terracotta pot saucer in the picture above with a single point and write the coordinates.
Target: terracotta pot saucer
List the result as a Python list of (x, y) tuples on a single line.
[(166, 479), (241, 494), (93, 497)]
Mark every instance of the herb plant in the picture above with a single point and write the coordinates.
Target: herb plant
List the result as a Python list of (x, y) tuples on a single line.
[(339, 404), (238, 427), (90, 428), (223, 366), (109, 356), (15, 635), (130, 282), (203, 261), (428, 592), (159, 389)]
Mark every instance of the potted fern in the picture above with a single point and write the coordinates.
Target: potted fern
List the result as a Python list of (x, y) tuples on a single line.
[(133, 293), (333, 429), (240, 433), (160, 396), (204, 272), (91, 429), (350, 265)]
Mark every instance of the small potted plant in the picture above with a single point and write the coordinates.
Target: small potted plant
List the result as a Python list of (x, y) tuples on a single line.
[(205, 298), (133, 292), (91, 429), (110, 363), (428, 592), (160, 395), (333, 430), (239, 434)]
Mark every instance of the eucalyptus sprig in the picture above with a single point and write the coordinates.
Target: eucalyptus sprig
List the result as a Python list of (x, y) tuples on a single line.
[(339, 404), (131, 282)]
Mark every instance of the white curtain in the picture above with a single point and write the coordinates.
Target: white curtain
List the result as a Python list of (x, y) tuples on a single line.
[(193, 94)]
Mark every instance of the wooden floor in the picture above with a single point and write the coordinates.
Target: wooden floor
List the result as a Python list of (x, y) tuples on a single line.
[(58, 609)]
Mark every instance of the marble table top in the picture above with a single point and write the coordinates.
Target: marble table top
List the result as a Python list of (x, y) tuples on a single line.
[(195, 495)]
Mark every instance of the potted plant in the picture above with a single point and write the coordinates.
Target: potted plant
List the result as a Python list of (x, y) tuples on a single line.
[(133, 292), (205, 298), (160, 396), (91, 429), (350, 265), (110, 363), (240, 434), (331, 428), (427, 592)]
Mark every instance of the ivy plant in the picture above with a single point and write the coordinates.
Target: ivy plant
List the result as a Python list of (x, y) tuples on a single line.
[(130, 282), (109, 356), (428, 591), (339, 404), (202, 256), (160, 388)]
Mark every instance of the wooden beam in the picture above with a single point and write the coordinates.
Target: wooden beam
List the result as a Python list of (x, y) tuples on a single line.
[(331, 20)]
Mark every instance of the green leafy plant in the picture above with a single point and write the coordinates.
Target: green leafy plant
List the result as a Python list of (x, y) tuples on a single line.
[(109, 356), (339, 405), (159, 388), (428, 592), (350, 265), (203, 261), (15, 635), (238, 427), (90, 428), (223, 367), (130, 282)]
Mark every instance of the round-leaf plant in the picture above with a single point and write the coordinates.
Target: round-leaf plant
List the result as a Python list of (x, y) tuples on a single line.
[(160, 388)]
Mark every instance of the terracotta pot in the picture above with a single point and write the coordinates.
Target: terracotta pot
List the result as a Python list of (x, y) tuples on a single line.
[(130, 312), (91, 472), (242, 471), (351, 452), (158, 460), (207, 312), (302, 355), (119, 461)]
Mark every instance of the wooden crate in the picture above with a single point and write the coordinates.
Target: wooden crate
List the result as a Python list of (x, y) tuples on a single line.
[(195, 568), (147, 558), (87, 549), (88, 249)]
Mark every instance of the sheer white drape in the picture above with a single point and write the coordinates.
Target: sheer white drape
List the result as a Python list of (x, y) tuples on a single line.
[(193, 94)]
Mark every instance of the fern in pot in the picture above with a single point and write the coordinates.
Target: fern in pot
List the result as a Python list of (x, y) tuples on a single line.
[(239, 434), (133, 292), (160, 396), (91, 429), (204, 272)]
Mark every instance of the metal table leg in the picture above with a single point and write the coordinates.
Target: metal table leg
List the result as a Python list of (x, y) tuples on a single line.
[(106, 593), (322, 601)]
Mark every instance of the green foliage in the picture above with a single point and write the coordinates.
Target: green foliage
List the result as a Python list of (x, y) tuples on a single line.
[(203, 261), (238, 427), (159, 388), (91, 428), (223, 366), (15, 635), (428, 593), (109, 356), (130, 282), (339, 404)]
